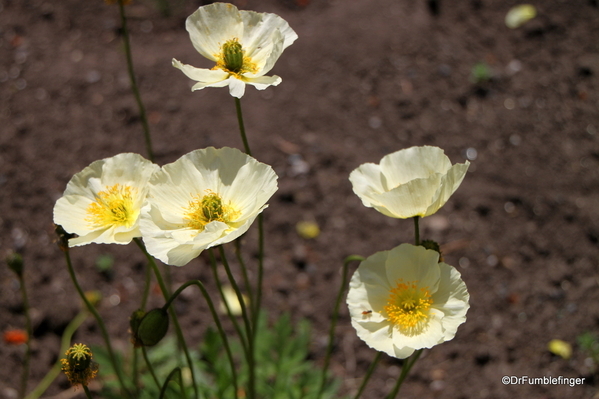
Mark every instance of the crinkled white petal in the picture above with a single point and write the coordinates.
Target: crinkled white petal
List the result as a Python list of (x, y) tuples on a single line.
[(369, 290), (241, 182), (71, 210), (258, 29), (211, 26), (416, 181)]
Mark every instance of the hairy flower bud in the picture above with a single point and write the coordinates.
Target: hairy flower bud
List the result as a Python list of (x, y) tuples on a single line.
[(15, 263), (152, 327)]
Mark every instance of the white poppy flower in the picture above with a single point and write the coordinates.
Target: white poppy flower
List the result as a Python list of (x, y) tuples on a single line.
[(416, 181), (102, 203), (403, 300), (206, 198), (244, 44)]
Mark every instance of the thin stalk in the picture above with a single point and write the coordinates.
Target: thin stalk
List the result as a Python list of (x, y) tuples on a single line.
[(221, 331), (246, 279), (178, 329), (366, 378), (65, 343), (246, 145), (150, 368), (327, 357), (169, 378), (146, 292), (242, 338), (142, 110), (404, 372), (416, 230), (100, 322), (246, 321), (256, 311), (29, 329), (87, 392)]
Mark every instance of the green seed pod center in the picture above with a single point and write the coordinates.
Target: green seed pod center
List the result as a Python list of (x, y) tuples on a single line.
[(233, 56)]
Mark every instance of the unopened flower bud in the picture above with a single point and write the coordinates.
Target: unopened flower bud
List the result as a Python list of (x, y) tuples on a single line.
[(79, 366), (63, 237), (15, 263), (153, 327)]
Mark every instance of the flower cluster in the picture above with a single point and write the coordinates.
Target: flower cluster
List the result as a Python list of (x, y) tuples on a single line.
[(206, 198), (406, 299)]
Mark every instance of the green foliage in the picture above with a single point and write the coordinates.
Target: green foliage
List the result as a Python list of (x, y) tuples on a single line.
[(589, 343), (283, 366), (480, 73)]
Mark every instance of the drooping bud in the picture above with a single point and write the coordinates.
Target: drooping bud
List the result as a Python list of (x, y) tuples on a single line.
[(79, 366), (430, 244), (233, 55), (153, 327), (15, 263), (63, 237)]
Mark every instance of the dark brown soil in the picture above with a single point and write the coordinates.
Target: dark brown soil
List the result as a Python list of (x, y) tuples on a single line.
[(364, 79)]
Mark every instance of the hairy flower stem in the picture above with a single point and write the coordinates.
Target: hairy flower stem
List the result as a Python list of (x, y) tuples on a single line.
[(327, 357), (98, 318), (178, 329), (404, 372), (142, 110), (29, 329), (65, 343), (369, 372), (219, 326)]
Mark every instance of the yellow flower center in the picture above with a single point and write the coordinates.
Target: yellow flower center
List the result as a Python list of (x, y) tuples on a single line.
[(408, 307), (206, 209), (232, 59), (113, 207)]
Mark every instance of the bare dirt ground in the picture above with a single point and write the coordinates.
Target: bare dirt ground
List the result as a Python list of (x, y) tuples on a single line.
[(365, 78)]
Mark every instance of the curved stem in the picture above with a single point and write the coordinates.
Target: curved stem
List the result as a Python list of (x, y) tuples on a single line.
[(149, 364), (242, 337), (327, 357), (404, 372), (366, 378), (178, 329), (29, 329), (246, 321), (99, 320), (221, 331), (246, 279), (416, 230), (169, 378), (130, 70)]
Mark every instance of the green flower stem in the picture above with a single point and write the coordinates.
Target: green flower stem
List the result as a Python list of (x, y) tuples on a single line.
[(248, 327), (416, 230), (404, 372), (166, 296), (146, 293), (100, 322), (242, 338), (246, 279), (366, 378), (169, 378), (135, 372), (144, 352), (65, 343), (327, 357), (256, 311), (29, 329), (87, 392), (130, 70), (221, 331), (246, 145)]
